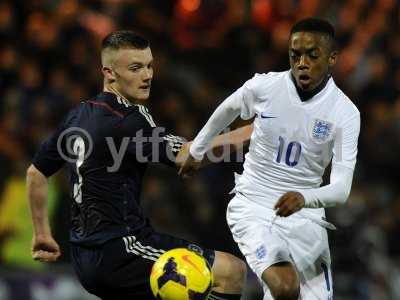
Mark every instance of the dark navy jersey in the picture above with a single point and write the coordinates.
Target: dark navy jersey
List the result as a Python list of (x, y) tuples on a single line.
[(107, 144)]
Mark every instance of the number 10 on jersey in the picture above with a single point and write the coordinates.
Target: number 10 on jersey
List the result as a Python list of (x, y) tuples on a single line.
[(290, 159)]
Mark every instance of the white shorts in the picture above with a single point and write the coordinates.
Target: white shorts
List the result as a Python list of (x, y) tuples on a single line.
[(265, 239)]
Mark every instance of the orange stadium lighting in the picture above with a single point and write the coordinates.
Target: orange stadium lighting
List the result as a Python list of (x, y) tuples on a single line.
[(190, 5)]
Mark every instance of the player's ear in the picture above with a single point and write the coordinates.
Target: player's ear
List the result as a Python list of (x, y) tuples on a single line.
[(108, 73), (332, 59)]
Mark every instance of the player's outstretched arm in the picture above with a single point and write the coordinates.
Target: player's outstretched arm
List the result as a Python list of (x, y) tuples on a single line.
[(233, 140), (240, 103), (44, 247)]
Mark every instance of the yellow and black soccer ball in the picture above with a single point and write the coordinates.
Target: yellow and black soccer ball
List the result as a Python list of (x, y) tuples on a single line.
[(181, 274)]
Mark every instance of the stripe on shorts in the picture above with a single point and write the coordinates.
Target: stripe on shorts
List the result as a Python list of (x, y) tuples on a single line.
[(132, 245)]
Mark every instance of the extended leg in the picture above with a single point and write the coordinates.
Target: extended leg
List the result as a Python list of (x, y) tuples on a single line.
[(229, 276), (283, 281)]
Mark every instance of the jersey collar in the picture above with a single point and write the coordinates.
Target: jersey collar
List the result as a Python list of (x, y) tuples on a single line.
[(306, 95), (114, 99), (108, 97), (306, 98)]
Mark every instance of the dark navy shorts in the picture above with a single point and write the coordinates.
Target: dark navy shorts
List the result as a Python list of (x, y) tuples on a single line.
[(120, 268)]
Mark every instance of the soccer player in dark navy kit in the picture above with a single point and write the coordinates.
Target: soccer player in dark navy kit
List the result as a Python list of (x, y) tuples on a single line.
[(106, 143)]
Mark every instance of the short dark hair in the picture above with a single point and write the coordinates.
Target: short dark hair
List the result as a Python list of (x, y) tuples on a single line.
[(314, 25), (124, 39)]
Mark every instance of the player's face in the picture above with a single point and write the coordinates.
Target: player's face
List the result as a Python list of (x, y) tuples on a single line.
[(310, 58), (133, 71)]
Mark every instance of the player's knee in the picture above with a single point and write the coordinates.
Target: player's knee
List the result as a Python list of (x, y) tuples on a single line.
[(239, 271), (229, 272), (286, 291), (234, 273), (283, 282)]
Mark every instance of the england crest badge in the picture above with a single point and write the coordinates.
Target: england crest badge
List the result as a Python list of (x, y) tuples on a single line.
[(321, 131)]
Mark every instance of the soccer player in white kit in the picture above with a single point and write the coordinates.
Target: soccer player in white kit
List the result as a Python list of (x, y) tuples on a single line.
[(302, 122)]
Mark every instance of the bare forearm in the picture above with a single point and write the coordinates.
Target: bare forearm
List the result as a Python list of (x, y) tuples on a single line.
[(37, 187), (232, 141), (236, 139)]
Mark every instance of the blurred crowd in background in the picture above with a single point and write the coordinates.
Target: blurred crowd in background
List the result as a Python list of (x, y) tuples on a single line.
[(203, 50)]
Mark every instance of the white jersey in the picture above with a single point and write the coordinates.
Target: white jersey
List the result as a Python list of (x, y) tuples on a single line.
[(291, 145), (293, 141)]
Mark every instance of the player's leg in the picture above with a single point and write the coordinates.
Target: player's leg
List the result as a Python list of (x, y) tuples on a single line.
[(308, 275), (84, 262), (120, 269), (114, 272), (265, 250), (308, 244), (136, 255), (229, 271), (316, 282), (229, 276), (268, 256), (283, 281)]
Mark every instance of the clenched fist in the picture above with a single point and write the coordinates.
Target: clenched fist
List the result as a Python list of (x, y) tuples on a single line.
[(45, 249), (289, 203)]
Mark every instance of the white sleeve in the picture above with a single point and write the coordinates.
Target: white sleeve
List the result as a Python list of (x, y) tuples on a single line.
[(346, 139), (343, 163), (336, 192), (240, 103)]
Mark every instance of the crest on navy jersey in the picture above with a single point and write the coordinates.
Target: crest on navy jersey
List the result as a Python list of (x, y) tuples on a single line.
[(321, 130)]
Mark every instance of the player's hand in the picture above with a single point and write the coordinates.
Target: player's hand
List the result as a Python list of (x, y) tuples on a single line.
[(289, 203), (45, 249), (189, 166)]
